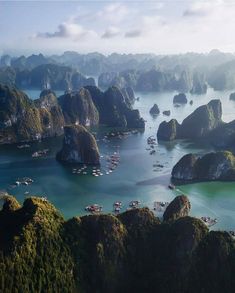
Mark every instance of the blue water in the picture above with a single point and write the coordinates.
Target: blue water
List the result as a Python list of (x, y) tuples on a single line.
[(134, 178)]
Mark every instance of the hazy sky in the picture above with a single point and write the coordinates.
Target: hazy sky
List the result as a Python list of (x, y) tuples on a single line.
[(160, 27)]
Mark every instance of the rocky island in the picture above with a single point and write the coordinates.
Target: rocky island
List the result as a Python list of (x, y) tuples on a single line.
[(79, 146), (180, 99), (217, 166), (154, 110), (197, 125), (107, 253)]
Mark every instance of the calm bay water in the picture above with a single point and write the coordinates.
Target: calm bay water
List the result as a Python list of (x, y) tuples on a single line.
[(134, 178)]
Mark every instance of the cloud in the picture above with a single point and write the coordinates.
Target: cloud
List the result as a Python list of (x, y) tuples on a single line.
[(67, 30), (133, 33), (111, 33), (199, 8), (113, 13)]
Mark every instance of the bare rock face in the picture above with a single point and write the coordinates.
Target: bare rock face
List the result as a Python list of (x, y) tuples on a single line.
[(79, 146), (199, 124), (115, 109), (168, 130), (210, 167), (78, 107), (180, 99), (178, 208), (154, 110)]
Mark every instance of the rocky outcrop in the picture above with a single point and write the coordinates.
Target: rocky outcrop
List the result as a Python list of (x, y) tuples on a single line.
[(197, 125), (22, 119), (210, 167), (232, 96), (114, 109), (79, 146), (223, 137), (199, 84), (154, 110), (180, 99), (106, 253), (56, 77), (78, 107), (178, 208), (166, 112), (168, 130)]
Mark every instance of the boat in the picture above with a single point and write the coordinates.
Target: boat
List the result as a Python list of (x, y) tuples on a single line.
[(117, 209), (209, 221), (23, 146), (118, 203), (95, 208), (134, 203), (171, 186), (160, 206), (40, 153)]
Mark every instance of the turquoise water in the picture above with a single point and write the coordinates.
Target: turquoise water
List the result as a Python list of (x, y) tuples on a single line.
[(134, 178)]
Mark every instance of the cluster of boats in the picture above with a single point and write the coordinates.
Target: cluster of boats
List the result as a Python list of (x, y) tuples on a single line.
[(112, 163), (152, 142), (160, 206), (209, 221), (94, 208), (23, 146), (117, 206), (40, 153), (120, 134), (81, 170), (23, 181)]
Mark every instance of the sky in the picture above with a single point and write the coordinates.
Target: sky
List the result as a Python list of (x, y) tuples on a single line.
[(160, 27)]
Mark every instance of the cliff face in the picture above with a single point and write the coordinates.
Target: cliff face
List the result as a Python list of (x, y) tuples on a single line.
[(115, 107), (210, 167), (79, 146), (200, 123), (78, 107), (21, 119), (40, 251), (56, 77)]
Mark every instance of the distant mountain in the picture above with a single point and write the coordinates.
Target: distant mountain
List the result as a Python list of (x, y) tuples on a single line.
[(216, 68), (45, 76)]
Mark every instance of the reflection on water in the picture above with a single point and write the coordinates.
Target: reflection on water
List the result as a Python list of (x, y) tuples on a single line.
[(135, 177)]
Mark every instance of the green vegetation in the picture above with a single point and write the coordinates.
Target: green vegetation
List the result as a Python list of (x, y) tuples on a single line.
[(133, 252)]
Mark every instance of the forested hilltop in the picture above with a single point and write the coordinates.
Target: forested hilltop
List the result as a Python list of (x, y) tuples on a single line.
[(40, 251), (190, 72)]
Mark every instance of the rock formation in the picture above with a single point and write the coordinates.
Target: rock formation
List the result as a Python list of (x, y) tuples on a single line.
[(154, 110), (210, 167), (78, 107), (22, 119), (168, 130), (197, 125), (114, 109), (199, 84), (79, 146), (178, 208), (106, 253), (232, 96), (166, 112), (180, 99)]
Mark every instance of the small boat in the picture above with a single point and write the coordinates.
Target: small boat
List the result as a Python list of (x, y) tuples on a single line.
[(134, 203), (118, 203), (117, 209), (171, 186), (209, 221), (160, 206), (95, 208)]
